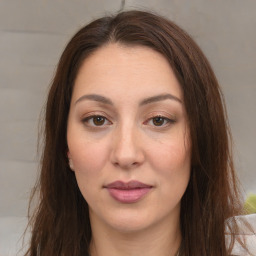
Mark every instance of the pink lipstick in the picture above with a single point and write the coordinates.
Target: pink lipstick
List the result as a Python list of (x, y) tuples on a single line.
[(128, 192)]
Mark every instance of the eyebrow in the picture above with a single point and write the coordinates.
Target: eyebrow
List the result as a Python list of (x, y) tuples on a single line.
[(159, 98), (95, 97), (104, 100)]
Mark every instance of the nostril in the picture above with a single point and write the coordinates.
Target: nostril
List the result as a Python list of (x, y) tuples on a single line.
[(126, 165)]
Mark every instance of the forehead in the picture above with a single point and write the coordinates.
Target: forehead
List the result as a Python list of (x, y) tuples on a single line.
[(133, 69)]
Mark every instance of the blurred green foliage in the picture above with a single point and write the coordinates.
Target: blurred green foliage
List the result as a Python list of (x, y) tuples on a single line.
[(250, 204)]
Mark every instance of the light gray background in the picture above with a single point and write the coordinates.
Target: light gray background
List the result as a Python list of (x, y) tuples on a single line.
[(33, 34)]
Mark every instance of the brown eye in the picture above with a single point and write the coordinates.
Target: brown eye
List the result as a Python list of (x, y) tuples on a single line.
[(158, 121), (93, 121), (98, 120)]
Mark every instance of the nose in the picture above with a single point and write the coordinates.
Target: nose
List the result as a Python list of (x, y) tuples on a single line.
[(127, 151)]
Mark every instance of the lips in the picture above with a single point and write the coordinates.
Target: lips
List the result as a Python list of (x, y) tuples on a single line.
[(128, 192)]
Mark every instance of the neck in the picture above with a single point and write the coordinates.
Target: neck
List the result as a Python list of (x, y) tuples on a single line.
[(157, 240)]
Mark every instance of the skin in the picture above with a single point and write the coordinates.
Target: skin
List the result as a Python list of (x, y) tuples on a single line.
[(128, 142)]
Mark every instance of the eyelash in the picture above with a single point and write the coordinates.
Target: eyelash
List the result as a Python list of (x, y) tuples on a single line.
[(89, 119), (167, 121), (92, 117)]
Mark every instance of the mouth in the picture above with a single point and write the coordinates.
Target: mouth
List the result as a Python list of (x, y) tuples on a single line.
[(128, 192)]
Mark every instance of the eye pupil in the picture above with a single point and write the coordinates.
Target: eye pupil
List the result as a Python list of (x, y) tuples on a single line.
[(158, 121), (98, 120)]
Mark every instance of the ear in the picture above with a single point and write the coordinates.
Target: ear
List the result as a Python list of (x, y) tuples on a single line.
[(70, 161)]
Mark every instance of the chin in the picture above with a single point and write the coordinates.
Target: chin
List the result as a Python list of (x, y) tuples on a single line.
[(130, 220), (129, 227)]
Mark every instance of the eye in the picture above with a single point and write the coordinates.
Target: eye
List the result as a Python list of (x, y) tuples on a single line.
[(159, 121), (96, 120)]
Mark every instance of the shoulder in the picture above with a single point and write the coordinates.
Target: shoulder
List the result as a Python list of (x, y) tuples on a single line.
[(246, 234)]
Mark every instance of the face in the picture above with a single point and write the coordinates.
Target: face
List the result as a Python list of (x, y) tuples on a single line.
[(128, 138)]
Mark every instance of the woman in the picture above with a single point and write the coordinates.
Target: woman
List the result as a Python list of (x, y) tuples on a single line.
[(137, 157)]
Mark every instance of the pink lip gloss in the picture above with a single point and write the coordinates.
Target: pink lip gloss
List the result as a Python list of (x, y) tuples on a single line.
[(129, 192)]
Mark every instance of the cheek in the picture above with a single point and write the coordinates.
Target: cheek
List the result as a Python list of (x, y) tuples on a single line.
[(174, 174), (89, 160), (172, 160), (88, 157), (171, 156)]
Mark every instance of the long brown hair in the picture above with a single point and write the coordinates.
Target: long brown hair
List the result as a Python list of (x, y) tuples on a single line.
[(60, 224)]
